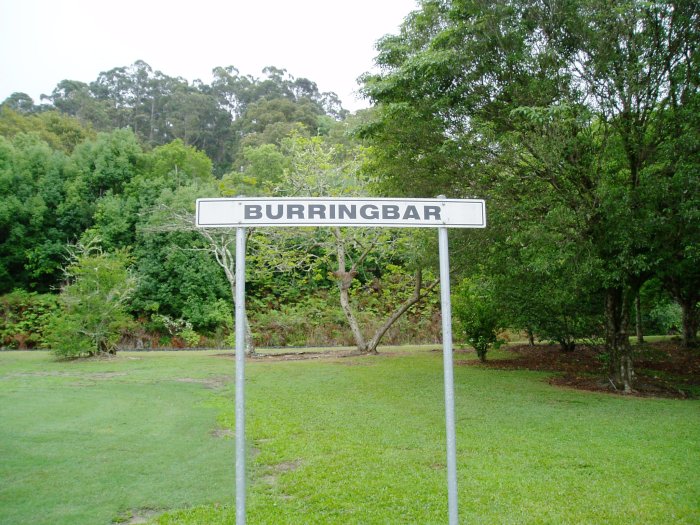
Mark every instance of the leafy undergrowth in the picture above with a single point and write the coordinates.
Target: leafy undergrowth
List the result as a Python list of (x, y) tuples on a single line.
[(662, 369)]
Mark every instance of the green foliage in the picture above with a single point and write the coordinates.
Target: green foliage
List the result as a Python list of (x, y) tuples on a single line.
[(663, 318), (24, 317), (477, 314), (661, 315), (180, 328), (554, 110), (233, 112), (31, 237), (261, 170), (178, 275), (313, 321), (94, 304), (60, 131), (108, 163), (61, 182), (179, 164)]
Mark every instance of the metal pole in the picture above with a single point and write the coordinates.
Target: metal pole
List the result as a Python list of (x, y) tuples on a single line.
[(446, 308), (240, 376)]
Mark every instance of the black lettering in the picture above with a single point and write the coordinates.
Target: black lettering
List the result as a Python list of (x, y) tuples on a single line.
[(252, 211), (317, 210), (431, 212), (276, 215), (295, 211), (347, 212), (411, 213), (369, 211), (390, 211)]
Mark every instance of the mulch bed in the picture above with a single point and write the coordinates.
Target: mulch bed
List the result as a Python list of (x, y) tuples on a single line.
[(662, 369)]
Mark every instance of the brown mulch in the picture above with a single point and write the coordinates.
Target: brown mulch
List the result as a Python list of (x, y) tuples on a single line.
[(662, 369)]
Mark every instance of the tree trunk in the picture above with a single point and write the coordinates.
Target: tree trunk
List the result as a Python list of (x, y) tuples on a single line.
[(638, 318), (344, 282), (617, 343), (567, 345), (688, 297), (249, 344), (691, 323), (345, 278), (417, 295), (530, 337)]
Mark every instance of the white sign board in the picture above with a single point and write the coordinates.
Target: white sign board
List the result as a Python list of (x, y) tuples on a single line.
[(397, 213)]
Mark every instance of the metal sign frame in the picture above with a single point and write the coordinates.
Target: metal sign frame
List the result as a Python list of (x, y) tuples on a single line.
[(440, 213)]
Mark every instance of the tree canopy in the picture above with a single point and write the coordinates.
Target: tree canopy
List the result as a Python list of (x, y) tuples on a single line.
[(576, 121), (560, 114)]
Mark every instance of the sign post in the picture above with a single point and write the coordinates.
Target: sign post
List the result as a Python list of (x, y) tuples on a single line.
[(448, 376), (240, 375), (440, 213)]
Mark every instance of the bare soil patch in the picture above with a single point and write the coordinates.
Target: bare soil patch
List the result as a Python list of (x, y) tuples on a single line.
[(214, 383), (137, 516), (274, 471), (662, 369), (297, 356), (222, 433)]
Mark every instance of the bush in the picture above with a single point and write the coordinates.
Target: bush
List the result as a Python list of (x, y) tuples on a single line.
[(93, 312), (24, 317), (477, 316), (664, 318)]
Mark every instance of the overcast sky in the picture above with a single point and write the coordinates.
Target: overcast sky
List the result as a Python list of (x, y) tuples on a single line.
[(330, 42)]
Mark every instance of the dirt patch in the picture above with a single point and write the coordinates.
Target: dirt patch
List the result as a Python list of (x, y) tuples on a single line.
[(215, 383), (96, 375), (222, 433), (662, 369), (271, 477), (137, 516), (287, 466), (295, 356)]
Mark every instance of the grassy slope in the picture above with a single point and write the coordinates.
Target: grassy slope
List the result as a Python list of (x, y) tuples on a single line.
[(352, 440)]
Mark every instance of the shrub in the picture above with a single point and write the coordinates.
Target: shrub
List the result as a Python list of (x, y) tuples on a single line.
[(477, 316), (24, 317), (93, 311)]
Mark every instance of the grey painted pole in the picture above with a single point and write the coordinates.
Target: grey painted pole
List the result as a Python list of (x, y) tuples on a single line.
[(446, 307), (240, 376)]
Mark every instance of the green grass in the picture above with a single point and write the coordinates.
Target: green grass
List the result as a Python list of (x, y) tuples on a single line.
[(91, 441), (342, 440)]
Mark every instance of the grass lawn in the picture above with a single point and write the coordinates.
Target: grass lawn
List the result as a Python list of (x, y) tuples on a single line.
[(88, 442), (333, 440)]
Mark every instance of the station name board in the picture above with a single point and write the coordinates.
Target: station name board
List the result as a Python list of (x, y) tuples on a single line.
[(398, 213)]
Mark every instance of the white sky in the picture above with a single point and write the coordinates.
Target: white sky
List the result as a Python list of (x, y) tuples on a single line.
[(330, 42)]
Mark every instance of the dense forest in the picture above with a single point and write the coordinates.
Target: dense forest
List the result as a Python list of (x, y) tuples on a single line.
[(579, 123)]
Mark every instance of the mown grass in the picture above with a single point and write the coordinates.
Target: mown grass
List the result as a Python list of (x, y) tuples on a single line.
[(339, 440), (100, 440)]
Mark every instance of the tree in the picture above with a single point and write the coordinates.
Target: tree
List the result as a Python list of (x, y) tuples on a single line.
[(19, 102), (478, 315), (469, 84), (173, 214), (94, 303), (676, 211), (317, 168), (31, 189), (60, 131)]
